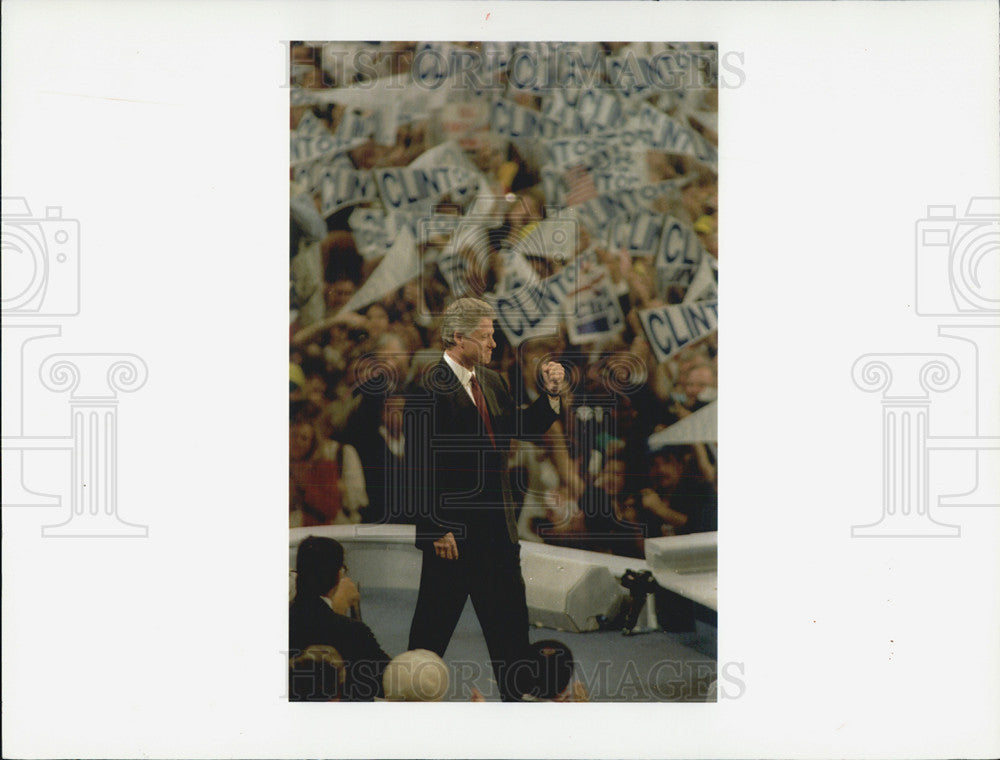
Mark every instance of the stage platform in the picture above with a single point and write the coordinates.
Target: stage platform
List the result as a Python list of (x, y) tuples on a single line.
[(647, 667)]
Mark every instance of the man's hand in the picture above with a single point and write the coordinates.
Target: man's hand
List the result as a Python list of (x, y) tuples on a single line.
[(445, 547), (553, 378)]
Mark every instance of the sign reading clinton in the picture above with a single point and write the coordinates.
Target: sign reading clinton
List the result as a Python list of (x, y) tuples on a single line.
[(671, 328)]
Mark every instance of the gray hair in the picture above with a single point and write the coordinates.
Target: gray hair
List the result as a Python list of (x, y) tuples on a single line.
[(416, 676), (463, 316)]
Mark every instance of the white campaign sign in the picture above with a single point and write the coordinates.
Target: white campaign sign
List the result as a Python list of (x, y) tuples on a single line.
[(638, 234), (401, 188), (534, 310), (372, 237), (513, 120), (662, 132), (597, 314), (670, 328), (339, 189), (703, 286), (678, 256), (400, 265), (550, 239)]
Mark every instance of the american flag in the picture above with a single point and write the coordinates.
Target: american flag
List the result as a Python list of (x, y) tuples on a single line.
[(579, 185)]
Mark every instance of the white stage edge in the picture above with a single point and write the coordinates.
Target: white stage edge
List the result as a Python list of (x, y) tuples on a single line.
[(566, 588)]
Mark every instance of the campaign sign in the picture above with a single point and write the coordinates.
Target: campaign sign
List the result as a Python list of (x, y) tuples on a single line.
[(372, 236), (515, 121), (534, 310), (598, 313), (309, 147), (671, 328), (663, 132), (404, 187), (339, 189), (638, 234)]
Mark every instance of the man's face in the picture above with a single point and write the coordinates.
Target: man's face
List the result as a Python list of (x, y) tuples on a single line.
[(300, 441), (614, 476), (696, 380), (338, 294), (477, 347), (666, 472)]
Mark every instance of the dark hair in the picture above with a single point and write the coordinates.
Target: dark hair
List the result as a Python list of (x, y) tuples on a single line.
[(316, 675), (545, 670), (317, 566)]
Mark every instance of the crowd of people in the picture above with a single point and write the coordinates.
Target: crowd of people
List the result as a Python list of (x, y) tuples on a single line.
[(594, 482)]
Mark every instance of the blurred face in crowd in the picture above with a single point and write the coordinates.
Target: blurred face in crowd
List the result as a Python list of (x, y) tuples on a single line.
[(613, 476), (393, 353), (378, 319), (300, 441), (476, 347), (666, 472), (337, 294), (316, 389), (695, 381), (411, 293)]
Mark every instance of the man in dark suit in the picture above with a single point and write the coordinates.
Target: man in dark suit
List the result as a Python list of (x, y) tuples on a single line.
[(460, 422), (313, 618)]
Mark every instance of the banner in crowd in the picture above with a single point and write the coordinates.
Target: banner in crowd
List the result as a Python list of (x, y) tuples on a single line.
[(400, 265), (310, 124), (534, 310), (510, 119), (322, 144), (596, 315), (671, 328), (587, 111), (370, 229), (701, 426), (662, 132), (401, 188), (340, 188), (310, 173), (703, 287), (399, 93), (599, 213), (555, 239), (638, 234), (678, 256)]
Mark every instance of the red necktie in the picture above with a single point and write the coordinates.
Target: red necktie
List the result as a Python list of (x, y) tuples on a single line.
[(477, 394)]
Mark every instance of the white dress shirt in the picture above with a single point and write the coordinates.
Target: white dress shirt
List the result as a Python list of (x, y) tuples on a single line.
[(465, 378)]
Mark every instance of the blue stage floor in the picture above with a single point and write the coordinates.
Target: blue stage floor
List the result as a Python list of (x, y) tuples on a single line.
[(651, 667)]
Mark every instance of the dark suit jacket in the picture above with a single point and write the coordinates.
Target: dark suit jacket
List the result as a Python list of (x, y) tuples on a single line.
[(459, 480), (311, 621)]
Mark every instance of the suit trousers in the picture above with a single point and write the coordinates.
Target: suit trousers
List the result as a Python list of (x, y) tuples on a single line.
[(494, 581)]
